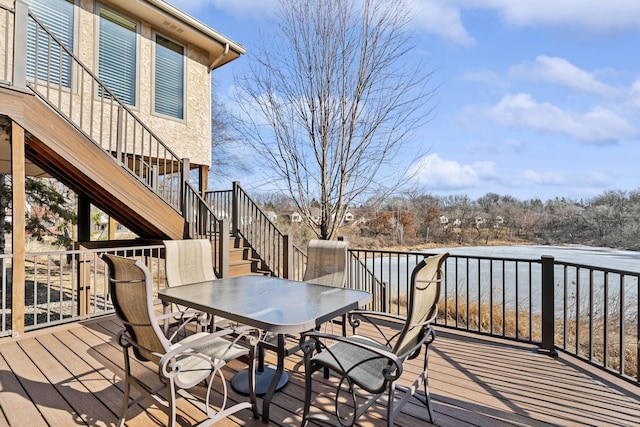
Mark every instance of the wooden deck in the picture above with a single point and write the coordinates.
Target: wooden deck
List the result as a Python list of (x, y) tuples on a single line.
[(71, 375)]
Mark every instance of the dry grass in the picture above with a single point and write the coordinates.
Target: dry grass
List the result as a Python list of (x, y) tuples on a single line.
[(480, 318)]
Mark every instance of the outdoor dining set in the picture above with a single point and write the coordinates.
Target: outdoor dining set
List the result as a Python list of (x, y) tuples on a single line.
[(207, 322)]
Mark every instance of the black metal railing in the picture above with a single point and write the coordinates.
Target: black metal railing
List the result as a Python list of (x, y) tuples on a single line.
[(589, 312), (202, 222), (278, 255)]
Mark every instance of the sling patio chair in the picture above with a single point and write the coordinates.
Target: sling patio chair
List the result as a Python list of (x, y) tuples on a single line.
[(181, 365), (368, 367), (188, 261), (327, 264)]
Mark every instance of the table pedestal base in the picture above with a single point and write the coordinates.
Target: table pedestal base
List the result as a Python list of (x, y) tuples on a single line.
[(240, 381)]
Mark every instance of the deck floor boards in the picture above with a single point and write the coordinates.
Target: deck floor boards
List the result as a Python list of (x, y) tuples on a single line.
[(72, 375)]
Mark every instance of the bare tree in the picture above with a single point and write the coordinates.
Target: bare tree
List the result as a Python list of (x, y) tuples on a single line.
[(332, 99), (225, 158)]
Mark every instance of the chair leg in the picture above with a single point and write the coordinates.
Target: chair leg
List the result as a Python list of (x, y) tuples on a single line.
[(252, 384), (307, 380), (171, 389), (427, 398), (127, 387)]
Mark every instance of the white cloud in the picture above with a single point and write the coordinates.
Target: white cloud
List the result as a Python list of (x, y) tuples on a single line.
[(599, 179), (635, 94), (609, 15), (440, 174), (547, 178), (487, 77), (598, 126), (561, 72), (442, 18)]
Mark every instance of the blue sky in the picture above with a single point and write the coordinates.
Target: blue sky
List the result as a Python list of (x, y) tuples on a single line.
[(536, 98)]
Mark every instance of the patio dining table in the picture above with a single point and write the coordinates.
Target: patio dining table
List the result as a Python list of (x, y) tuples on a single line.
[(276, 305)]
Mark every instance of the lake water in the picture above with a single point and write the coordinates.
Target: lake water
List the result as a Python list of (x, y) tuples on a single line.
[(597, 257), (466, 277)]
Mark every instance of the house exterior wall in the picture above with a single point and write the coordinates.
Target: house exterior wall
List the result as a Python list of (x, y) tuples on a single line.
[(189, 137)]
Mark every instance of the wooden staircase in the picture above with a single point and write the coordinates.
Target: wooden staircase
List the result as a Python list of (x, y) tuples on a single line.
[(66, 154), (243, 259)]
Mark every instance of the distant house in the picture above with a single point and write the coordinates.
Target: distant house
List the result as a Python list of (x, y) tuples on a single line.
[(348, 217), (271, 216), (315, 215), (296, 217)]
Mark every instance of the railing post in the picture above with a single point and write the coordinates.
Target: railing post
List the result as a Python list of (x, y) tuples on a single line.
[(223, 247), (20, 45), (235, 209), (83, 278), (548, 307), (287, 257), (182, 195)]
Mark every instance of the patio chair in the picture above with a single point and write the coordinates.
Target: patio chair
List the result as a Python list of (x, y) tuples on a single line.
[(327, 262), (369, 366), (184, 364), (186, 262)]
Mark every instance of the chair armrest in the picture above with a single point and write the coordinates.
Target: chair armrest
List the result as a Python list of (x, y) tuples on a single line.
[(313, 340), (234, 336), (184, 316), (378, 320), (245, 336)]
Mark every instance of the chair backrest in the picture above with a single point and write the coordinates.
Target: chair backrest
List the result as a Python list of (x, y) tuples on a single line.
[(422, 307), (327, 262), (188, 261), (132, 296)]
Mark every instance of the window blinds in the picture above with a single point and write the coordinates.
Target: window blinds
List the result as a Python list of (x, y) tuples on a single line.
[(169, 78), (44, 56), (117, 55)]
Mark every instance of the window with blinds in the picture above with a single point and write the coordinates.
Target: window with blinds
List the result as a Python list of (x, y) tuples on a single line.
[(117, 51), (45, 57), (169, 78)]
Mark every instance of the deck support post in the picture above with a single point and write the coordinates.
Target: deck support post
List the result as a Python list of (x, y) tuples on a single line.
[(223, 247), (203, 180), (18, 223), (548, 307), (83, 272)]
